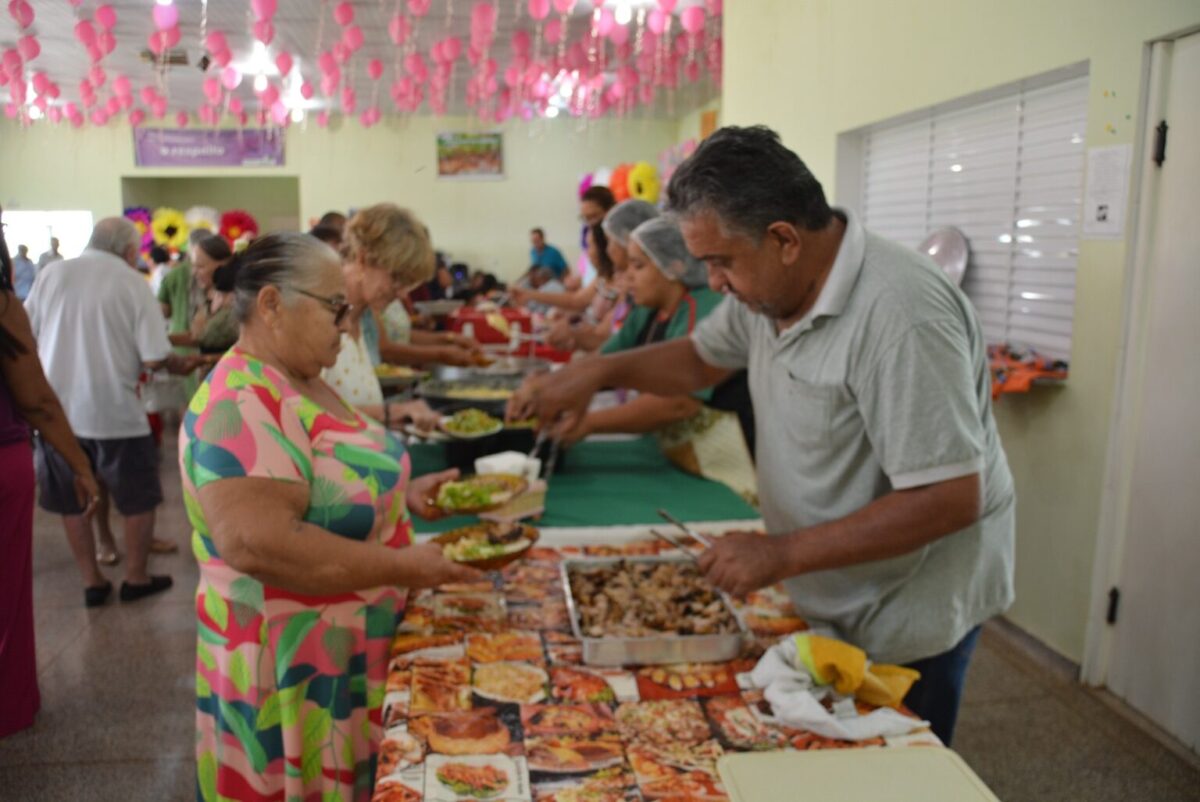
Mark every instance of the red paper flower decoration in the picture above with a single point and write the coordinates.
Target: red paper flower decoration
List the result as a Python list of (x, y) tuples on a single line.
[(238, 224)]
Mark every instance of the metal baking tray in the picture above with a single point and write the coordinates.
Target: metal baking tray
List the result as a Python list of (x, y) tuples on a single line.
[(654, 649)]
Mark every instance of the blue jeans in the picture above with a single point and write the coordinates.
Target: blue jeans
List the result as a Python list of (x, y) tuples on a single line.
[(936, 695)]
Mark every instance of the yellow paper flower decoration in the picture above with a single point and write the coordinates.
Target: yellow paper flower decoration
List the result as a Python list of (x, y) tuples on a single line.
[(170, 229)]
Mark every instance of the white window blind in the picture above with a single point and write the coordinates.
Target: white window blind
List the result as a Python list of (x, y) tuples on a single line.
[(1007, 172)]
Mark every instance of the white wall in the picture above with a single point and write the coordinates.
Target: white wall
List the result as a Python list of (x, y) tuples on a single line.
[(485, 223)]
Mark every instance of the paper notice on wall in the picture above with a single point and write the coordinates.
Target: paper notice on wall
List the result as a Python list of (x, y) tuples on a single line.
[(1107, 191)]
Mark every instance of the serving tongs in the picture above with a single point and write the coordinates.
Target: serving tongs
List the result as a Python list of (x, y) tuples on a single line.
[(675, 545), (543, 436), (703, 540)]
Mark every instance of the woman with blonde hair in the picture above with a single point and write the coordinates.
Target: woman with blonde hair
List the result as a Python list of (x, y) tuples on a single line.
[(300, 506)]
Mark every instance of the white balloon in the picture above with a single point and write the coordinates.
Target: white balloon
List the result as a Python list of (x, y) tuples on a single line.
[(601, 176)]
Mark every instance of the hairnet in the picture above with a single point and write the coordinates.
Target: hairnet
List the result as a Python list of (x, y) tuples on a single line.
[(625, 217), (662, 241)]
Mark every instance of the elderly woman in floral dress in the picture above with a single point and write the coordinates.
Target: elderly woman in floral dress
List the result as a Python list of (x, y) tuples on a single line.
[(300, 506)]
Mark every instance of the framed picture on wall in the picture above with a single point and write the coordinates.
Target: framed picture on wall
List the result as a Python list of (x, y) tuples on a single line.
[(467, 156)]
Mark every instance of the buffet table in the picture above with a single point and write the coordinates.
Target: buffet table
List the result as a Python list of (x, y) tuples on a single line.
[(487, 697), (604, 483)]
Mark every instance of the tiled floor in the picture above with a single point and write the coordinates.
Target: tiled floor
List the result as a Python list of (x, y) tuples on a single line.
[(117, 702)]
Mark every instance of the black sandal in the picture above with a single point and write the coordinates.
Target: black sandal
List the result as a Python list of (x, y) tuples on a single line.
[(97, 595), (157, 584)]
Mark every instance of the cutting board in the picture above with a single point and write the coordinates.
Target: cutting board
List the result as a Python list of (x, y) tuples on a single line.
[(900, 774)]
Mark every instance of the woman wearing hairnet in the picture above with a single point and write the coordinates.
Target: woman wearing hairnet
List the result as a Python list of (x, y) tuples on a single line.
[(671, 295)]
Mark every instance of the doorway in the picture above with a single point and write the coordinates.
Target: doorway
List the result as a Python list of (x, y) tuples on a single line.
[(1144, 641)]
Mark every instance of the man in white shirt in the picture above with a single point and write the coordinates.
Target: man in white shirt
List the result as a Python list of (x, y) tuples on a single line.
[(51, 255), (98, 326)]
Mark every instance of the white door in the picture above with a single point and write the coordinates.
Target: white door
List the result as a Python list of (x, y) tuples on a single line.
[(1155, 660)]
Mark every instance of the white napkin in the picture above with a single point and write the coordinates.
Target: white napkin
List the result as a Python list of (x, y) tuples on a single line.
[(795, 701)]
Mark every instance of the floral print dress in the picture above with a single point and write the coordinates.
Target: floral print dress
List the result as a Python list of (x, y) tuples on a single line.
[(289, 688)]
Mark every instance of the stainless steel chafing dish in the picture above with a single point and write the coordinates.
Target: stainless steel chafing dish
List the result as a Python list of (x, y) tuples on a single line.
[(651, 650)]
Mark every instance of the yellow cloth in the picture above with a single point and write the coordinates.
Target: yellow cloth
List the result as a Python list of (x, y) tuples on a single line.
[(845, 667)]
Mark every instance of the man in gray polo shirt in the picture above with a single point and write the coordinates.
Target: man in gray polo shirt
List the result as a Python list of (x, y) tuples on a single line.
[(881, 476)]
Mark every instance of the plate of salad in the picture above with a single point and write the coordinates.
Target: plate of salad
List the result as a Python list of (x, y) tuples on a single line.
[(479, 493), (489, 545), (470, 424)]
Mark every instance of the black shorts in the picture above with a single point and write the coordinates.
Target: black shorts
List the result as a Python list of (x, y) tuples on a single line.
[(127, 467)]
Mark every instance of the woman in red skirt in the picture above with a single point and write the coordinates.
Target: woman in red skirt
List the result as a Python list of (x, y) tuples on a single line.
[(26, 401)]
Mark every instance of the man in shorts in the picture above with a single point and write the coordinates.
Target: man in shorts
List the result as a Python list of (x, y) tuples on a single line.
[(98, 326)]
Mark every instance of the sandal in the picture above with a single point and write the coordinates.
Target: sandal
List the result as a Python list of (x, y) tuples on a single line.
[(108, 557), (159, 546)]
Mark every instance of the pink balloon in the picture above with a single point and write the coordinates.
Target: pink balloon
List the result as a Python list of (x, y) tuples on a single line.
[(692, 71), (99, 117), (692, 18), (70, 110), (216, 41), (375, 69), (453, 48), (553, 31), (95, 53), (165, 16), (414, 65), (112, 107), (122, 86), (279, 113), (106, 17), (264, 31), (11, 110), (181, 119), (656, 21), (323, 119), (172, 36), (521, 43), (231, 78), (242, 118), (212, 90), (284, 62), (29, 48), (159, 108), (328, 84), (126, 102), (668, 6), (106, 42), (483, 15), (85, 32), (306, 90), (326, 63), (263, 9), (148, 95), (137, 117), (564, 6), (156, 42), (40, 82), (619, 36), (97, 76), (399, 29), (539, 9), (349, 99), (418, 8), (341, 53), (353, 38), (606, 22), (270, 95), (77, 121), (222, 58), (22, 12), (715, 7), (235, 105), (52, 91), (343, 13), (55, 114)]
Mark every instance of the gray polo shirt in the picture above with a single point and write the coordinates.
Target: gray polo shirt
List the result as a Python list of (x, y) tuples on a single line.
[(884, 385)]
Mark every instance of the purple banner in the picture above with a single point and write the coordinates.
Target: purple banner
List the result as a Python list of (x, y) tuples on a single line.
[(222, 147)]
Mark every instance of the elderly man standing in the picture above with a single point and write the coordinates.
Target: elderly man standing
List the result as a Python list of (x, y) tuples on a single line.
[(880, 472), (51, 255), (97, 326)]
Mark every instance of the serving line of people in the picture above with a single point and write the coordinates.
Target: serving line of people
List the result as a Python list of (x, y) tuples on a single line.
[(881, 478)]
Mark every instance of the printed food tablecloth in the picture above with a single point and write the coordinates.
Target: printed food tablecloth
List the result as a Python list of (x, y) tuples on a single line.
[(487, 699)]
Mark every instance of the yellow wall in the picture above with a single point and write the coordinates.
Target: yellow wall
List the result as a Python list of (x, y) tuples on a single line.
[(815, 68), (273, 201), (485, 223)]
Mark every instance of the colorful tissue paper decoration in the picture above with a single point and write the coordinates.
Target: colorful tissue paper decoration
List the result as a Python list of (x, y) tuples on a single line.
[(140, 217), (205, 217), (169, 227), (238, 227), (638, 180), (642, 182)]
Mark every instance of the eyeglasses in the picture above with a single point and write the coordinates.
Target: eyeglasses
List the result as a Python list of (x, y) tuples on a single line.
[(337, 304)]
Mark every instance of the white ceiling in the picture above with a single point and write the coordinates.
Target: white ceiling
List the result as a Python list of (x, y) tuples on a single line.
[(298, 25)]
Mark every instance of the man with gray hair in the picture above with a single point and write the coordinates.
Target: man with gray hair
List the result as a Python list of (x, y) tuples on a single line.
[(97, 327), (882, 480)]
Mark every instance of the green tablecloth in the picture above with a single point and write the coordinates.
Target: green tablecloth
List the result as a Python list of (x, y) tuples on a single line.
[(611, 483)]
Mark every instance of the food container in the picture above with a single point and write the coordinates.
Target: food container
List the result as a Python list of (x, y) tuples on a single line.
[(655, 649)]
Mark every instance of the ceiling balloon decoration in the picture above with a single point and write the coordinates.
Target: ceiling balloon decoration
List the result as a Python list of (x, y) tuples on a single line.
[(497, 59)]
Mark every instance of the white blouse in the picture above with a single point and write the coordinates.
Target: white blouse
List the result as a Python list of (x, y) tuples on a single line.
[(353, 375)]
